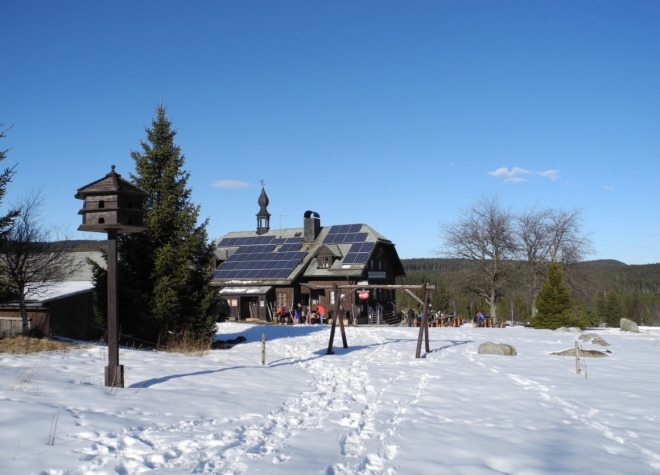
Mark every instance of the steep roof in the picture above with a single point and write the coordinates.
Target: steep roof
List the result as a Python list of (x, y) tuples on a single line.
[(280, 256)]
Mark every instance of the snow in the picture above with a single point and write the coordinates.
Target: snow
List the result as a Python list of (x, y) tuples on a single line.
[(45, 292), (369, 409)]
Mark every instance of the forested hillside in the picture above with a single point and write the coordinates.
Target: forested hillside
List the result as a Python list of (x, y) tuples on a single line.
[(607, 289)]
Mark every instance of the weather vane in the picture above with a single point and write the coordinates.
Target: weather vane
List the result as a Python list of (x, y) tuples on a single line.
[(263, 184)]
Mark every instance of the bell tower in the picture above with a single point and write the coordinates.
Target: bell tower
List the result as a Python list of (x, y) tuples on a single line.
[(263, 216)]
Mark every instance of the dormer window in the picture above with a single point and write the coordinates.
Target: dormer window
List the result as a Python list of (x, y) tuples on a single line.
[(324, 262)]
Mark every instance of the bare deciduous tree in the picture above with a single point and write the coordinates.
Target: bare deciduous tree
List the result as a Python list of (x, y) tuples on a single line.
[(33, 256), (484, 235), (548, 235)]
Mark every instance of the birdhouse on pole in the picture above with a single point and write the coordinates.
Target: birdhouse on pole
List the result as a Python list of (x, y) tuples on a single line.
[(112, 205)]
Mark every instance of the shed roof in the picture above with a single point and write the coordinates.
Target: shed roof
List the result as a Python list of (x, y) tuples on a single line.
[(47, 292)]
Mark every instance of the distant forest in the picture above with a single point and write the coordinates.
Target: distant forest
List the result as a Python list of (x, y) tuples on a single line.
[(607, 289)]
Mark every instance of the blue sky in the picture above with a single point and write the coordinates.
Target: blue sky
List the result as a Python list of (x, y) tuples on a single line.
[(394, 114)]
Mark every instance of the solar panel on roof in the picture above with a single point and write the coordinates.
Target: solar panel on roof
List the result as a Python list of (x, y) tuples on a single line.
[(256, 257), (344, 234), (359, 253)]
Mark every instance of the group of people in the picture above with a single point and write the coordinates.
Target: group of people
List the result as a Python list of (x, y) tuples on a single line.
[(284, 315), (479, 318), (439, 317)]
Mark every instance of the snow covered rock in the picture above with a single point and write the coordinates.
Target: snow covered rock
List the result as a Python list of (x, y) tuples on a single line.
[(489, 348), (599, 341), (628, 326), (568, 330), (587, 336), (582, 354), (228, 344), (594, 338)]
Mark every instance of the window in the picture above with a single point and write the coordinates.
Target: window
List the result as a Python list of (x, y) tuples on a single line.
[(101, 220), (332, 297), (324, 262), (233, 303), (101, 204), (281, 298)]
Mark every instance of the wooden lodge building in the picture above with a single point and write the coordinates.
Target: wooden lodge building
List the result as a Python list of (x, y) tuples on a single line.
[(263, 268)]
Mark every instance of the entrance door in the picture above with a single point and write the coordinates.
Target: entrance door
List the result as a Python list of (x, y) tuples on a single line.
[(245, 308)]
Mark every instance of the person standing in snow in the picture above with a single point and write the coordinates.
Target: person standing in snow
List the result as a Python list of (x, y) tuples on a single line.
[(321, 312), (411, 316), (296, 315)]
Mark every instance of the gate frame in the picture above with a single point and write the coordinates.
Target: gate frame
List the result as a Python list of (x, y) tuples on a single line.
[(352, 288)]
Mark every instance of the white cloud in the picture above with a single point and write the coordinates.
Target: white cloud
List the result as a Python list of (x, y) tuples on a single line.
[(513, 175), (505, 172), (230, 184), (552, 174)]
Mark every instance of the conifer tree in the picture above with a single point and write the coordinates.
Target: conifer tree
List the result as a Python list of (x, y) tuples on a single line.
[(164, 273), (613, 310), (555, 304), (440, 298), (7, 220)]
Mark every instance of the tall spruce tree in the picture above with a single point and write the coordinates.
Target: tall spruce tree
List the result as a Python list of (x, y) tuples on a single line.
[(613, 308), (554, 303), (164, 273), (6, 221)]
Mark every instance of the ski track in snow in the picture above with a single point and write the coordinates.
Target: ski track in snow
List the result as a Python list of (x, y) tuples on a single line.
[(225, 446)]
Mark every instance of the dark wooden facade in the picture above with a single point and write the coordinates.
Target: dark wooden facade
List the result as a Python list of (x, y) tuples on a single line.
[(70, 316)]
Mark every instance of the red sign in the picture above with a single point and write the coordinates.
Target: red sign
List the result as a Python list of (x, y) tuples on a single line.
[(364, 295)]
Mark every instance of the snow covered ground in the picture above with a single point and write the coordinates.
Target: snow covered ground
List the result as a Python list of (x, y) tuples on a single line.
[(369, 409)]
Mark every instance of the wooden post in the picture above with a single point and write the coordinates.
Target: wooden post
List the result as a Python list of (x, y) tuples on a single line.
[(337, 314), (577, 357), (338, 308), (114, 372), (332, 335), (426, 318), (263, 349), (424, 324)]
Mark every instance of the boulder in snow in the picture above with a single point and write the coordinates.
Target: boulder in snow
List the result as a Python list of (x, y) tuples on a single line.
[(587, 336), (489, 348), (582, 353), (568, 330), (599, 341), (628, 326), (595, 339)]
